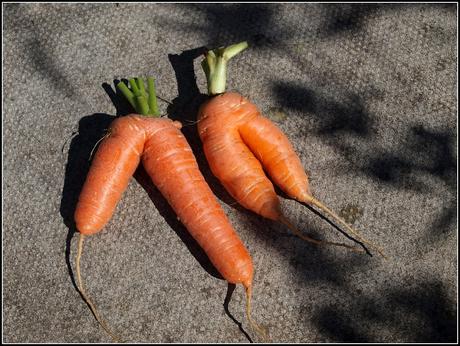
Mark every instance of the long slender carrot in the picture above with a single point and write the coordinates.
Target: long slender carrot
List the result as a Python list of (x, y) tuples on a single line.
[(240, 144), (168, 159)]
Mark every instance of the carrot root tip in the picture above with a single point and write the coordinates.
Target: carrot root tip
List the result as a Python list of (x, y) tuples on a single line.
[(81, 288), (259, 329), (304, 237), (313, 201)]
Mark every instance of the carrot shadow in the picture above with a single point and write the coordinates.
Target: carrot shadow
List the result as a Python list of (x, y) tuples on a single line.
[(228, 297), (325, 218)]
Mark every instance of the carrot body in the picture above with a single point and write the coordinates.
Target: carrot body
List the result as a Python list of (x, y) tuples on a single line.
[(170, 163), (112, 167), (239, 143)]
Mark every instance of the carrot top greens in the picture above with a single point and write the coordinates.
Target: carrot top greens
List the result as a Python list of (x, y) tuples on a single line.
[(215, 66), (144, 102)]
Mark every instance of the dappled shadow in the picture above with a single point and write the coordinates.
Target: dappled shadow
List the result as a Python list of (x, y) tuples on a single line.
[(348, 18), (332, 118), (231, 23), (38, 53), (317, 265), (422, 151), (352, 131), (422, 313), (338, 327)]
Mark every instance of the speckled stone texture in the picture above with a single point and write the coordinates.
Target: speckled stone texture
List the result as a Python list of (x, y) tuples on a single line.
[(366, 93)]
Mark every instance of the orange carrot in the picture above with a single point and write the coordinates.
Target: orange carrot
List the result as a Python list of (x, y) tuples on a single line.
[(240, 144), (168, 159)]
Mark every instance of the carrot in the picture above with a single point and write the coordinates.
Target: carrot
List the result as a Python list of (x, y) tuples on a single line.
[(168, 160), (240, 145)]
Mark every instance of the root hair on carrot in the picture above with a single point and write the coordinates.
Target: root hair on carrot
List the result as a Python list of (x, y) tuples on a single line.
[(107, 134)]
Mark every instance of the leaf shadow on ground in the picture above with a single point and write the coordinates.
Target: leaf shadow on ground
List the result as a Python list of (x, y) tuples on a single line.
[(351, 130), (231, 23), (336, 119), (421, 313), (39, 54)]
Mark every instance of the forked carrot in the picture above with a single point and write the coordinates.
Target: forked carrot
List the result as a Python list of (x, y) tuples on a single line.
[(240, 143), (168, 160)]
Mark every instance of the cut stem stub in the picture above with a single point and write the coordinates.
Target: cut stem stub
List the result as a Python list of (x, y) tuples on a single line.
[(215, 66)]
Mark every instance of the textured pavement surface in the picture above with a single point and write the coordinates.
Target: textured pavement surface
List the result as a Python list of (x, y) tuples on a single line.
[(366, 93)]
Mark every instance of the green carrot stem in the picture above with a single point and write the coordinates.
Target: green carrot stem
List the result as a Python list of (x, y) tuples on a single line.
[(215, 66), (219, 77), (152, 97), (127, 93), (134, 87), (143, 106), (140, 84), (211, 61), (144, 102)]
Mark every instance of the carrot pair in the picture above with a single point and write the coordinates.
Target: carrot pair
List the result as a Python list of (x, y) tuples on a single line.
[(159, 145), (240, 144)]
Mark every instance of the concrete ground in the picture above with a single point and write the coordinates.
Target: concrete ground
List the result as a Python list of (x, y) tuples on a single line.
[(366, 93)]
